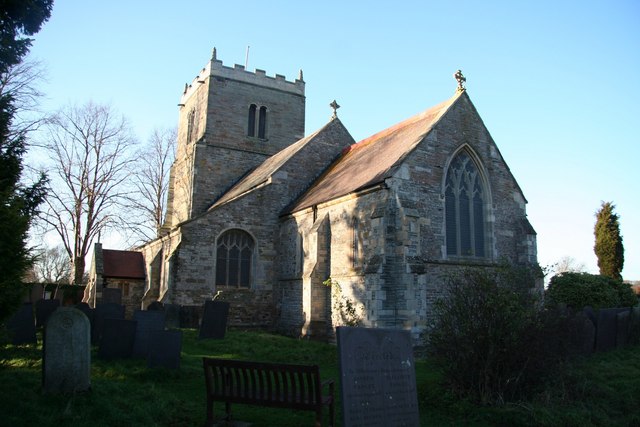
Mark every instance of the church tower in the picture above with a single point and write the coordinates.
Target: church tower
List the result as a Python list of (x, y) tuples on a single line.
[(230, 121)]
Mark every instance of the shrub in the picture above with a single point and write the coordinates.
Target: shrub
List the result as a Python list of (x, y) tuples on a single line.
[(491, 339), (577, 290)]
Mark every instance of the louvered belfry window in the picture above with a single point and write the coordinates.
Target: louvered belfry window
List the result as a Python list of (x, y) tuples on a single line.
[(464, 208), (234, 259)]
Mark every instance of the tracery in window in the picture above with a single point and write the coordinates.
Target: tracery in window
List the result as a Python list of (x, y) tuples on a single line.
[(464, 208), (234, 259)]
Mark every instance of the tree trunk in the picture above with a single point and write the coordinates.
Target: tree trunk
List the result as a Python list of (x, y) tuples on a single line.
[(78, 270)]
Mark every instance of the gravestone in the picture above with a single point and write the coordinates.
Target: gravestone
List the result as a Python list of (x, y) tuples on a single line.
[(622, 336), (22, 326), (156, 305), (104, 311), (37, 291), (165, 349), (607, 329), (378, 379), (87, 310), (214, 320), (190, 316), (66, 361), (111, 295), (172, 315), (148, 322), (118, 336), (44, 309), (634, 326), (585, 334), (588, 311)]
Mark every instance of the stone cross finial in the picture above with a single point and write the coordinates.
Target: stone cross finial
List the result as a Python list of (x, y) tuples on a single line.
[(335, 107), (461, 80), (214, 54)]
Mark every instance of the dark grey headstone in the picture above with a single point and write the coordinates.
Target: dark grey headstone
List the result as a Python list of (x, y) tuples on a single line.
[(378, 379), (22, 326), (190, 316), (588, 311), (156, 305), (172, 315), (36, 294), (585, 334), (87, 310), (102, 312), (112, 295), (118, 336), (165, 349), (634, 326), (44, 309), (66, 361), (622, 336), (607, 330), (214, 320), (148, 322)]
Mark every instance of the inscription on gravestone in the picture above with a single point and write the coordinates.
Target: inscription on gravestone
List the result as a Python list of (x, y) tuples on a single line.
[(378, 382), (148, 322), (214, 320), (66, 362)]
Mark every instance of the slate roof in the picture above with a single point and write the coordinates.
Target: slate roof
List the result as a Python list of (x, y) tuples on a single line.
[(373, 159), (123, 264), (262, 174)]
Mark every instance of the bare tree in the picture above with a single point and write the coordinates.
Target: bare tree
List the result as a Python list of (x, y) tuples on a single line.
[(568, 264), (151, 182), (52, 265), (90, 148), (21, 83)]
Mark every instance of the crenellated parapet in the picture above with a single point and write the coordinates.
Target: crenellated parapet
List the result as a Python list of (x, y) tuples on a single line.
[(216, 68)]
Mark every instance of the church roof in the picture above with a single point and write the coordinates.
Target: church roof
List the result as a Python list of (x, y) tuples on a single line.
[(261, 175), (123, 264), (373, 159)]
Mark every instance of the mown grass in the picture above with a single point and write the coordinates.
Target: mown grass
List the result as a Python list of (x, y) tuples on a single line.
[(603, 390)]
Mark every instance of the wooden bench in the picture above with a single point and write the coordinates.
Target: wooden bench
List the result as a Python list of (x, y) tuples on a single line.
[(266, 384)]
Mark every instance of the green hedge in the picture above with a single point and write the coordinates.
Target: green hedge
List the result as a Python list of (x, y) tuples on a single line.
[(578, 290)]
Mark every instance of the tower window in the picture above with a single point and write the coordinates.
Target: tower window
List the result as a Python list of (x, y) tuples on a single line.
[(251, 126), (234, 257), (262, 123), (465, 199), (191, 121)]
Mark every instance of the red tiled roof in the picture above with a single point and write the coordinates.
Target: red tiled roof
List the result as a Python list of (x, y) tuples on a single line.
[(373, 159), (123, 264)]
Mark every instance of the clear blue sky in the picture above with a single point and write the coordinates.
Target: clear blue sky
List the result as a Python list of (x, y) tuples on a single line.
[(553, 81)]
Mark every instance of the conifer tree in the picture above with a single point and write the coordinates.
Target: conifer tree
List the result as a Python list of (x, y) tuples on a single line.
[(18, 202), (608, 246)]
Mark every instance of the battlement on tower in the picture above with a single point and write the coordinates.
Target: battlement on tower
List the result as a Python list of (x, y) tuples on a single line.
[(215, 68)]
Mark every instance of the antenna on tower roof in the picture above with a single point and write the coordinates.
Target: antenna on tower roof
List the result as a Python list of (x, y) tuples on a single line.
[(246, 58)]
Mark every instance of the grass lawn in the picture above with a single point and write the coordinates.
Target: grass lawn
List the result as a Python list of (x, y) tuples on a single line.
[(604, 390)]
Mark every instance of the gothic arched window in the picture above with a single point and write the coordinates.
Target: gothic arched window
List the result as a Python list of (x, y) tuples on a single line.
[(251, 126), (234, 257), (465, 199)]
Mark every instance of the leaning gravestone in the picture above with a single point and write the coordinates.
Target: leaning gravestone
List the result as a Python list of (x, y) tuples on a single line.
[(102, 312), (66, 361), (44, 309), (118, 336), (148, 322), (22, 326), (112, 295), (378, 380), (214, 320), (164, 350)]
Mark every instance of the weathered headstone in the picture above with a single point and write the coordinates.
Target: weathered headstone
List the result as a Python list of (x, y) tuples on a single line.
[(172, 315), (22, 326), (44, 309), (148, 322), (165, 349), (156, 305), (189, 316), (104, 311), (118, 336), (214, 320), (585, 334), (66, 361), (378, 380), (112, 295), (622, 335)]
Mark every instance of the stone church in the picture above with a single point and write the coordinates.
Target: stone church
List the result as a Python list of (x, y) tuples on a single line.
[(305, 233)]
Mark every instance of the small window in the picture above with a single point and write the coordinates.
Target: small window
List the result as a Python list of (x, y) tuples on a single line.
[(251, 125), (356, 242), (464, 208), (191, 120), (262, 123), (234, 259)]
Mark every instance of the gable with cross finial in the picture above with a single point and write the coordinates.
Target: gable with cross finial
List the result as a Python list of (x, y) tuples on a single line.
[(335, 107)]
